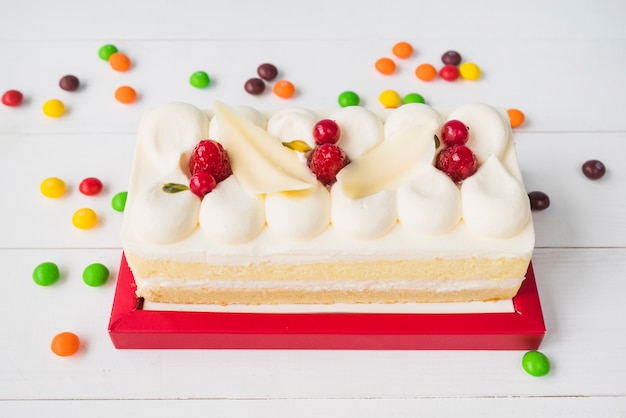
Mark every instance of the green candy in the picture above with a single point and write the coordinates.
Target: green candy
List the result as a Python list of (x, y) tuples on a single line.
[(106, 51), (119, 201), (348, 98), (536, 363), (95, 274), (199, 79), (46, 274), (413, 98)]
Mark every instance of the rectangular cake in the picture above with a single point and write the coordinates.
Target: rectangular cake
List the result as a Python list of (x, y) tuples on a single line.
[(234, 205)]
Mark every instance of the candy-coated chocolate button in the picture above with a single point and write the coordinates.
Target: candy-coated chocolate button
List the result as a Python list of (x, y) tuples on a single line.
[(84, 218), (95, 274), (53, 108), (536, 363), (348, 98), (46, 274), (52, 187), (12, 98), (200, 79), (390, 99), (469, 71), (119, 201), (413, 98), (65, 344), (106, 51)]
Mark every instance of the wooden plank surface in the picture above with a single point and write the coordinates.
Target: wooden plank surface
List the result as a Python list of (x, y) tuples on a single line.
[(561, 62)]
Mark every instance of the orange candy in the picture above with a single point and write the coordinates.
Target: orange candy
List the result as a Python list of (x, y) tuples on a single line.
[(385, 66), (516, 117), (119, 62), (284, 89), (65, 344), (125, 94), (426, 72), (402, 50)]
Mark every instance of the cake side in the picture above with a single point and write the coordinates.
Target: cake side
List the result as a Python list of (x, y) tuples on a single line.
[(415, 234)]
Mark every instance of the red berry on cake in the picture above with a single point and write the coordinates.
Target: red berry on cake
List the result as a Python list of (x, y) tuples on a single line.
[(454, 132), (326, 131), (458, 162), (209, 156), (326, 161), (202, 183)]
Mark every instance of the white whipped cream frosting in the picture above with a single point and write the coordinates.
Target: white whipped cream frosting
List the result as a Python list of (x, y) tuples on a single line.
[(422, 204)]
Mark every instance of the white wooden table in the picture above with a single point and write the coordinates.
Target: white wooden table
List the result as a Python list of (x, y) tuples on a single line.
[(561, 62)]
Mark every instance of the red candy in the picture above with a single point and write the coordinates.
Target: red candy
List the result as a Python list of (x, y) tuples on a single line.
[(12, 98), (449, 72), (90, 186)]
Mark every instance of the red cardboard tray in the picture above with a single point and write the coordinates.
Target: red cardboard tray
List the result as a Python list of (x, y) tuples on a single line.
[(131, 327)]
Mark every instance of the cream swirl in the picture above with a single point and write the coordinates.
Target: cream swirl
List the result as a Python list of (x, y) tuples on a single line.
[(298, 215), (230, 214), (364, 218), (429, 202), (361, 130), (495, 204)]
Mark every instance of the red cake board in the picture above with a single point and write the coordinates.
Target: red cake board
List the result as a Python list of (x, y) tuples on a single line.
[(131, 327)]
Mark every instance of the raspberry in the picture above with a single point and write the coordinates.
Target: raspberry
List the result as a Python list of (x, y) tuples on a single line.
[(209, 156), (201, 183), (325, 161), (458, 162)]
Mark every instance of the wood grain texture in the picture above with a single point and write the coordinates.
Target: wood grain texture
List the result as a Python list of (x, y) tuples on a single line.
[(560, 62)]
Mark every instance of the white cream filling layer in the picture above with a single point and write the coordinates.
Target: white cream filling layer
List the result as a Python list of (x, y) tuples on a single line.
[(439, 286)]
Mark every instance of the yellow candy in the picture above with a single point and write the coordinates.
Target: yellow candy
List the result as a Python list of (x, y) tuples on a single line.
[(469, 71), (52, 187), (53, 108), (84, 218), (390, 99)]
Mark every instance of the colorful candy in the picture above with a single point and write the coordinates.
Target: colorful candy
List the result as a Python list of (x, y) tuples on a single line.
[(200, 79), (390, 99), (65, 344), (84, 218), (516, 117), (538, 200), (52, 187), (413, 98), (118, 202), (12, 98), (284, 89), (536, 363), (451, 57), (385, 66), (90, 186), (119, 61), (53, 108), (125, 94), (254, 86), (469, 71), (95, 274), (267, 71), (594, 169), (402, 50), (106, 51), (348, 98), (426, 72), (449, 72), (46, 274), (69, 83)]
